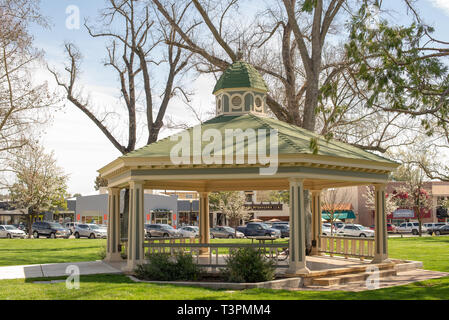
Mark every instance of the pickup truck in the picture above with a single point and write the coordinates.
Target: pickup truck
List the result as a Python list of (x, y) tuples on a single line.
[(256, 229)]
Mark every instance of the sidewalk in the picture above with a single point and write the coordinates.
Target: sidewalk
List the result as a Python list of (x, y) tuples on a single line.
[(55, 270)]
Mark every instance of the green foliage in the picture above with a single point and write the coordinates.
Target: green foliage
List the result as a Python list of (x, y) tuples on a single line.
[(102, 252), (282, 196), (314, 145), (398, 67), (308, 5), (248, 265), (165, 267)]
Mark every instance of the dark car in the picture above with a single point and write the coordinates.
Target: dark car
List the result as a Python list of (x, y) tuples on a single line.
[(254, 229), (442, 230), (49, 229), (284, 228), (432, 227)]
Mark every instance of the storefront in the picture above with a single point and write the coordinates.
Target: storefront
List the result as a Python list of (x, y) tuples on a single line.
[(405, 215), (188, 212), (161, 216)]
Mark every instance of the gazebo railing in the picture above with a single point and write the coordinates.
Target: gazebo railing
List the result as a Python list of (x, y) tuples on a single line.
[(216, 253), (362, 248)]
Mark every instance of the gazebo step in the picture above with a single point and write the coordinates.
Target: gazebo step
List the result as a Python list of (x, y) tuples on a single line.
[(347, 278), (347, 270)]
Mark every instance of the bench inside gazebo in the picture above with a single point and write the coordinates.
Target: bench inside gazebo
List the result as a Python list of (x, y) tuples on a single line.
[(242, 148)]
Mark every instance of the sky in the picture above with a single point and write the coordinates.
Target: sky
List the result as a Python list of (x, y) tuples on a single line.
[(79, 146)]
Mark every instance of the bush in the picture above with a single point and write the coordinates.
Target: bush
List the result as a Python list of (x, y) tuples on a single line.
[(102, 252), (248, 265), (164, 267)]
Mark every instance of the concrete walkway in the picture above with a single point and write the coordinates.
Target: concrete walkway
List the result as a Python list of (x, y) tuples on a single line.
[(55, 270)]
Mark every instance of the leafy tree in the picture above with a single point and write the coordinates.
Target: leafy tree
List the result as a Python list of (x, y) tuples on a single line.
[(100, 182), (412, 193), (231, 204), (40, 185), (282, 196)]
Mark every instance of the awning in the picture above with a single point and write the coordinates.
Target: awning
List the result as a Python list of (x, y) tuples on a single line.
[(344, 214)]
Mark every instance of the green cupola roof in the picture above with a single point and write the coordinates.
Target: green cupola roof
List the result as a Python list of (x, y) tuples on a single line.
[(241, 75)]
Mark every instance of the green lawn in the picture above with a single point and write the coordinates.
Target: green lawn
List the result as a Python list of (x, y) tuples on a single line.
[(40, 251), (433, 251)]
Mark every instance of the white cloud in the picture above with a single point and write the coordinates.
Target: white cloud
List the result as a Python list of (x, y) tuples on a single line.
[(442, 4)]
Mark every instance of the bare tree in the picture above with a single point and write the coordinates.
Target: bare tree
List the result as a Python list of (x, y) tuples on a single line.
[(333, 202), (23, 103), (134, 53)]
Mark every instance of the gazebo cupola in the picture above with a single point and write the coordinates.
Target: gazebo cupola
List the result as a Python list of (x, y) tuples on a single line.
[(240, 90)]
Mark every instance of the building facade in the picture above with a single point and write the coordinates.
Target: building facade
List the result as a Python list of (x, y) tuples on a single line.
[(157, 208)]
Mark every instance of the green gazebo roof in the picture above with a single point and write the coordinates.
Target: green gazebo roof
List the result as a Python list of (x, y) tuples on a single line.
[(241, 75), (292, 139)]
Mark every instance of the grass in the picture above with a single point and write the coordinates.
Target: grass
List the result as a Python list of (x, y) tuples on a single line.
[(119, 287), (433, 251), (41, 251)]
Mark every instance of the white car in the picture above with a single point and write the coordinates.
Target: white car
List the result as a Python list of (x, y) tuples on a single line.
[(326, 229), (189, 231), (355, 230), (11, 232), (410, 227)]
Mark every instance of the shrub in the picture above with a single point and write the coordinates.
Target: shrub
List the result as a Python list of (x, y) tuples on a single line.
[(102, 252), (248, 265), (164, 267)]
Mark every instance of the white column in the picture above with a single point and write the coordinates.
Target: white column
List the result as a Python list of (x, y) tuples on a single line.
[(316, 221), (136, 232), (380, 225), (113, 242), (204, 221), (297, 248)]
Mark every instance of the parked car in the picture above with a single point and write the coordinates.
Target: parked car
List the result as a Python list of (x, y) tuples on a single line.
[(355, 230), (225, 232), (326, 229), (338, 225), (391, 228), (161, 230), (410, 227), (71, 226), (284, 228), (432, 227), (91, 231), (49, 229), (11, 232), (442, 230), (254, 229), (189, 231), (280, 223), (21, 226)]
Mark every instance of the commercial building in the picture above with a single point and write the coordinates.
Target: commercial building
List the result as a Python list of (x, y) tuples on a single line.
[(157, 208)]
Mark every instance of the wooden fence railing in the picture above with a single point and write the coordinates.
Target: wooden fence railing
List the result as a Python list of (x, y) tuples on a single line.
[(347, 246), (217, 252)]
